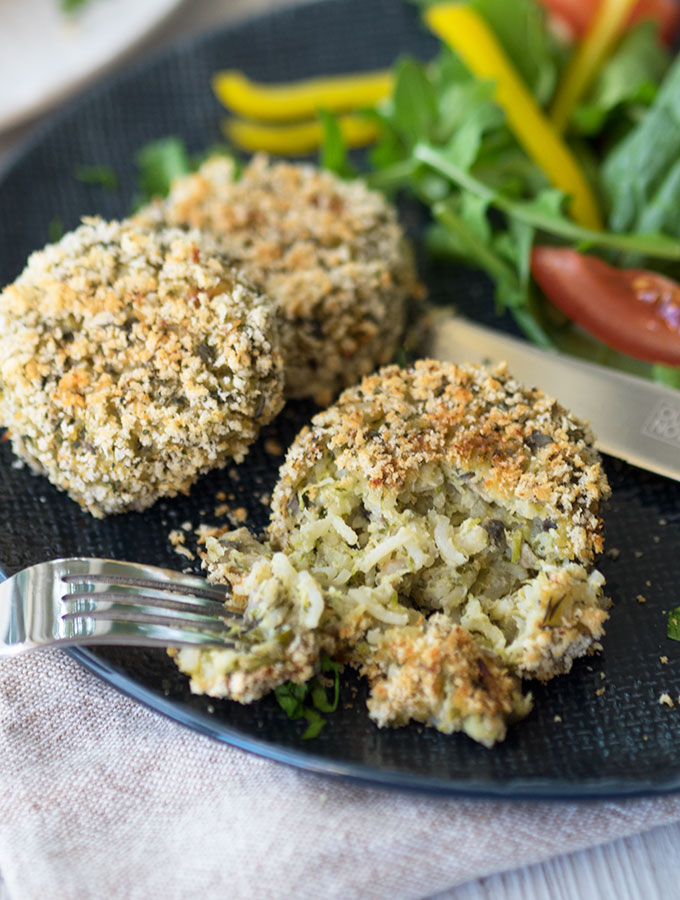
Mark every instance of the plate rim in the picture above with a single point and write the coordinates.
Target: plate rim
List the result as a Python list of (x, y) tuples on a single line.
[(544, 789)]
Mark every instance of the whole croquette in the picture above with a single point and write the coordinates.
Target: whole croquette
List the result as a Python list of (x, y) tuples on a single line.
[(330, 253), (131, 361), (435, 528)]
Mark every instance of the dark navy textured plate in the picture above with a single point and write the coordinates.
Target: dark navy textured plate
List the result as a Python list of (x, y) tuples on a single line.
[(599, 731)]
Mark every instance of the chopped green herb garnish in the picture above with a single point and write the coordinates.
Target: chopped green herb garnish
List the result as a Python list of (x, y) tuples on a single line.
[(307, 701), (71, 6), (673, 630), (55, 230), (103, 176)]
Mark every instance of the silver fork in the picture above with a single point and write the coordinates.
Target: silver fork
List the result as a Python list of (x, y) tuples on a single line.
[(103, 601)]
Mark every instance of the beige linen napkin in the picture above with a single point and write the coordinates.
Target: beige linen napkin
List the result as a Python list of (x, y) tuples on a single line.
[(100, 797)]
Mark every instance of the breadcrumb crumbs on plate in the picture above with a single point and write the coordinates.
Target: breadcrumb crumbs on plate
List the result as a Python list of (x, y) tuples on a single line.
[(177, 540), (203, 531), (221, 496), (557, 719), (239, 515), (641, 598), (273, 447), (666, 700), (663, 660), (612, 553)]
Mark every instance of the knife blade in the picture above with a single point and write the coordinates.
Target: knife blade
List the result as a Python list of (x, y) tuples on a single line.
[(633, 419)]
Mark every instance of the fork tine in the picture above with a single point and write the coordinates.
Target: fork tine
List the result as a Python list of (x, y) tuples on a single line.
[(80, 601), (205, 592), (140, 634), (129, 615), (134, 598)]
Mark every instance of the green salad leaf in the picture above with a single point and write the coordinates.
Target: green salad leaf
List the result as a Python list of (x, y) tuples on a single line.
[(667, 375), (159, 162), (521, 28), (641, 175), (334, 155), (444, 140), (626, 84)]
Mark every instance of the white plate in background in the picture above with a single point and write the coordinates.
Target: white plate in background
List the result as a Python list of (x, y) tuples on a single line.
[(46, 54)]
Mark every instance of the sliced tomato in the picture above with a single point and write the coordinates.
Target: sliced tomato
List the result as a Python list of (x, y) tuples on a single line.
[(578, 14), (632, 310)]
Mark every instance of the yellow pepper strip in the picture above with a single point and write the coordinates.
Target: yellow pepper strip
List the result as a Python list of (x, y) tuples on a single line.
[(466, 32), (301, 99), (298, 139), (608, 24)]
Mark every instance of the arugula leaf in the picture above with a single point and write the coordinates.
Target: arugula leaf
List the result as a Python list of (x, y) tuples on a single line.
[(103, 176), (669, 375), (512, 289), (642, 174), (159, 163), (467, 115), (673, 627), (544, 213), (333, 154), (534, 51), (629, 79), (414, 101)]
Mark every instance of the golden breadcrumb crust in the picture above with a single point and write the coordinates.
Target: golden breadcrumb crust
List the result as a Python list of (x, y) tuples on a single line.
[(513, 445), (330, 253), (435, 673), (131, 361), (436, 528)]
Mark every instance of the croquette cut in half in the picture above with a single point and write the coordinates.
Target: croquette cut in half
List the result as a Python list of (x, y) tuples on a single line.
[(330, 253), (436, 528), (131, 361)]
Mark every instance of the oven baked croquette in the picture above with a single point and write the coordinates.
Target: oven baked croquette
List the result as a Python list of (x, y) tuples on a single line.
[(131, 361), (330, 253), (436, 528)]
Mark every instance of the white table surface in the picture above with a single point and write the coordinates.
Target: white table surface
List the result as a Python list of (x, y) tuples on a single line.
[(643, 867)]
